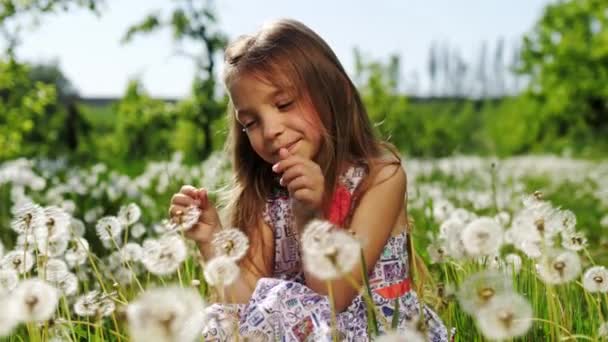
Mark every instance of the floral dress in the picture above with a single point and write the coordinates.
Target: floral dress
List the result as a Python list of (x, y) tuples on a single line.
[(283, 308)]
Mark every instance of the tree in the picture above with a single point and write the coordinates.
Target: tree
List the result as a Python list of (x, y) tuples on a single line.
[(566, 58), (190, 23)]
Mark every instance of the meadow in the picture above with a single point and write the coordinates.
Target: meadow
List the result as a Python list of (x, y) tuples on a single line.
[(515, 248)]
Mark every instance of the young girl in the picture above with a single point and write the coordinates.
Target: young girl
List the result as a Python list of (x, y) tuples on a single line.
[(303, 147)]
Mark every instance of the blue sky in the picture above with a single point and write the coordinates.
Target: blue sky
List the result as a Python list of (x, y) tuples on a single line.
[(89, 51)]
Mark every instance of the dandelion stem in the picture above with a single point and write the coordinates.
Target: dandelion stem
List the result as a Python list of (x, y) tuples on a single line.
[(332, 304)]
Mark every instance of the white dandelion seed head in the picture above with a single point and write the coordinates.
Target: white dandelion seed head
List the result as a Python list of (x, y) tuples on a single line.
[(187, 220), (230, 242), (9, 279), (53, 270), (28, 216), (338, 253), (77, 252), (513, 263), (315, 232), (124, 275), (602, 331), (109, 228), (129, 214), (403, 334), (567, 219), (57, 223), (574, 241), (93, 303), (68, 284), (138, 230), (442, 209), (37, 300), (503, 218), (26, 242), (447, 227), (77, 227), (166, 314), (462, 215), (131, 252), (53, 248), (8, 315), (482, 237), (221, 271), (437, 251), (18, 260), (559, 266), (506, 316), (480, 288), (164, 256), (595, 279)]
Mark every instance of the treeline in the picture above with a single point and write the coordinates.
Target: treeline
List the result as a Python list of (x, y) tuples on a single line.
[(547, 94)]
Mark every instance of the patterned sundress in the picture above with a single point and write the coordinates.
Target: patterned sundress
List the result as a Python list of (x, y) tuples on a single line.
[(283, 308)]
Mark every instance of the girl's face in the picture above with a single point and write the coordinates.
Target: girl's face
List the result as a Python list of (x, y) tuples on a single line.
[(272, 119)]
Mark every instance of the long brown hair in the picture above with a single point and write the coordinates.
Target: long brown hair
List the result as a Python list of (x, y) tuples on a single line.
[(291, 56)]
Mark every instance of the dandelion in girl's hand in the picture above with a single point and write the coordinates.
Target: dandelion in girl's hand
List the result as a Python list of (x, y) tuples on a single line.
[(480, 288), (574, 241), (559, 266), (36, 300), (166, 314), (332, 256), (28, 216), (18, 260), (129, 214), (163, 256), (186, 220), (596, 279), (94, 303), (482, 237), (8, 281), (221, 271), (108, 228), (506, 316), (230, 242)]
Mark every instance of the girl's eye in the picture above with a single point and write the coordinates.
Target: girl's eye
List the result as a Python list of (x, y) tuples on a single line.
[(247, 126), (284, 105)]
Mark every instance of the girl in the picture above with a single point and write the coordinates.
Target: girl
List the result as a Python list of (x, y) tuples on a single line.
[(303, 147)]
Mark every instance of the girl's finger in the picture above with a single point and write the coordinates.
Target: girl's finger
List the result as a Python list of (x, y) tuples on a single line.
[(188, 190), (285, 164), (181, 199), (304, 195), (176, 210), (293, 172), (299, 183)]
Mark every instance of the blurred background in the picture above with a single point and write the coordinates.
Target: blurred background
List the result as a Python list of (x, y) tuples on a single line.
[(126, 82)]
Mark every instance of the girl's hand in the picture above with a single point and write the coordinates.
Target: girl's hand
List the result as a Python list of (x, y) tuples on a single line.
[(208, 222), (303, 178)]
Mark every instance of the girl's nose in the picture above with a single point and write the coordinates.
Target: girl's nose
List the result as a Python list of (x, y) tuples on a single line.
[(273, 128)]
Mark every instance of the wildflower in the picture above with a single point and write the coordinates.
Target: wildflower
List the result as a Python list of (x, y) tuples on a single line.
[(559, 266), (505, 317), (138, 230), (28, 216), (596, 279), (437, 250), (18, 260), (53, 247), (337, 254), (108, 228), (482, 236), (503, 218), (574, 241), (129, 214), (94, 303), (8, 281), (8, 317), (402, 335), (36, 300), (221, 271), (186, 220), (462, 215), (57, 224), (77, 227), (480, 288), (513, 262), (166, 314), (163, 256), (131, 252), (230, 242), (54, 270), (77, 253), (68, 284)]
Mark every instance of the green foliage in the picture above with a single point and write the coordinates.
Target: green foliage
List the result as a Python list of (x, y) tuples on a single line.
[(566, 57), (26, 108)]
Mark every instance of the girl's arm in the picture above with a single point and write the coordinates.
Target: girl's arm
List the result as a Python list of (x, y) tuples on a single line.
[(373, 221), (263, 260)]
